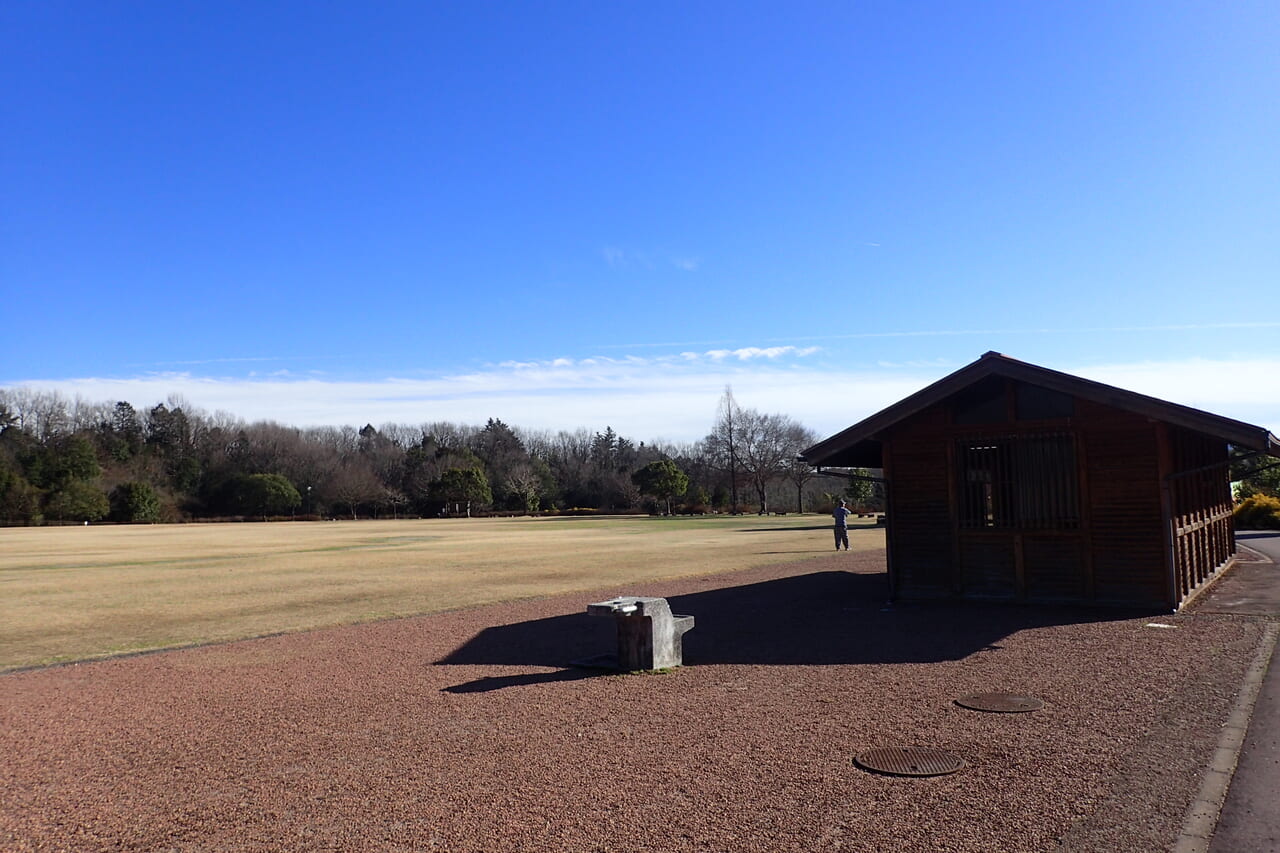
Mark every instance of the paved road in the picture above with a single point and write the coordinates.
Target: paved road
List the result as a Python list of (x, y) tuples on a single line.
[(1266, 541), (1250, 821), (1253, 586)]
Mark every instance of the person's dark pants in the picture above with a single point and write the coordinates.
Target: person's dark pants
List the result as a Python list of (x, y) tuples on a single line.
[(842, 537)]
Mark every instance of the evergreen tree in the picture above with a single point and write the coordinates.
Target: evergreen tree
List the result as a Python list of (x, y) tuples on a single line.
[(134, 502), (662, 479)]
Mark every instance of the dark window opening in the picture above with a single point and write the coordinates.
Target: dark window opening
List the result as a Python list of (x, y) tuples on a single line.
[(981, 403), (1042, 404), (1018, 482)]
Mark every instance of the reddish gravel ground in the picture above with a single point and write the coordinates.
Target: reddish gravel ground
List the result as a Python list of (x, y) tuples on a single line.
[(463, 731)]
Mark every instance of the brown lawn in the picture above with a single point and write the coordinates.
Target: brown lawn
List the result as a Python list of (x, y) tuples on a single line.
[(74, 593)]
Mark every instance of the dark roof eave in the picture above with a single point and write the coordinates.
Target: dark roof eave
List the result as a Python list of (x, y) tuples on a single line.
[(851, 442), (867, 428), (865, 454)]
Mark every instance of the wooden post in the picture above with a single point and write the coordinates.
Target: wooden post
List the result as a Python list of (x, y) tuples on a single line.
[(1164, 467), (953, 504), (1086, 514), (886, 454)]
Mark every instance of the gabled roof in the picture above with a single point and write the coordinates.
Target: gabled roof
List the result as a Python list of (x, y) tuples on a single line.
[(859, 445)]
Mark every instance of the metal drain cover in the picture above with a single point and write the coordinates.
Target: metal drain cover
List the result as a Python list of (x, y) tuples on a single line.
[(1000, 703), (909, 761)]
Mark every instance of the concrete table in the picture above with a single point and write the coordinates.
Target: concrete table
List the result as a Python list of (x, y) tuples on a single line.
[(649, 634)]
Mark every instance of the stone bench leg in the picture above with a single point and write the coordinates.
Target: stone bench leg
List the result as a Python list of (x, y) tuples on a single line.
[(649, 635)]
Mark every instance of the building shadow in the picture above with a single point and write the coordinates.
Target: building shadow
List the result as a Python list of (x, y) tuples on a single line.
[(824, 618)]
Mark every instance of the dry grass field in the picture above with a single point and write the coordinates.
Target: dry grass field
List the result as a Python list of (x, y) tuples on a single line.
[(75, 593)]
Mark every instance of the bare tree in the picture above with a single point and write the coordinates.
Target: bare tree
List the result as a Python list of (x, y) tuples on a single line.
[(397, 500), (523, 481), (724, 440), (354, 484), (764, 444), (795, 469), (41, 414)]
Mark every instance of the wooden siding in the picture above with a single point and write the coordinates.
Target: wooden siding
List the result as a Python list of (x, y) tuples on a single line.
[(920, 519), (982, 489), (1124, 508), (988, 565), (1054, 567), (1153, 521)]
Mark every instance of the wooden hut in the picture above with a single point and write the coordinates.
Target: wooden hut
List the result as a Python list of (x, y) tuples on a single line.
[(1010, 481)]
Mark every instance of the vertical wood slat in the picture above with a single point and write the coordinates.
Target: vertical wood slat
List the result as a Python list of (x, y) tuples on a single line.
[(1202, 525), (1165, 465), (955, 490), (1086, 518), (1126, 543), (1019, 567), (889, 492), (1030, 480), (920, 516)]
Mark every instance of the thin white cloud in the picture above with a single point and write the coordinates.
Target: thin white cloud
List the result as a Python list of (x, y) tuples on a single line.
[(748, 353), (619, 258), (945, 333), (742, 354), (669, 397), (939, 333), (1241, 388)]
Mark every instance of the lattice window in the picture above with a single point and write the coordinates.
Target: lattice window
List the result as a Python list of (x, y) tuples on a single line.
[(1018, 482)]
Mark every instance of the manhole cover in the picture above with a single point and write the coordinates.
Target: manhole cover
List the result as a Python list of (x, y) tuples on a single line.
[(909, 761), (1000, 703)]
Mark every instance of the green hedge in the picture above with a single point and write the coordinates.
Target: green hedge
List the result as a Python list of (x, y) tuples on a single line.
[(1259, 512)]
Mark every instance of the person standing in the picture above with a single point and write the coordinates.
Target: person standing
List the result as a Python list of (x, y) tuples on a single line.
[(841, 515)]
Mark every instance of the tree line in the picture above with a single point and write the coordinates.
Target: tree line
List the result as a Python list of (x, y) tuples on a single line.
[(68, 460)]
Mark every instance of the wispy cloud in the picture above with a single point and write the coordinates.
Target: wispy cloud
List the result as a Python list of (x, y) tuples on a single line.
[(944, 333), (1078, 330), (718, 355), (671, 397), (748, 353), (1219, 385), (619, 258)]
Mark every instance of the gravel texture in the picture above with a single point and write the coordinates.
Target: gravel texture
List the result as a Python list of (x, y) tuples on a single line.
[(464, 731)]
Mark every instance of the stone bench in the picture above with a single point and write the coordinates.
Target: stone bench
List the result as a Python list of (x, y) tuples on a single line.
[(650, 636)]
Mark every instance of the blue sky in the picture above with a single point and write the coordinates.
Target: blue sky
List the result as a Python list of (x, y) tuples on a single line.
[(586, 214)]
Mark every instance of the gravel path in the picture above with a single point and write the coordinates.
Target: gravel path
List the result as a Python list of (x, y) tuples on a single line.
[(464, 732)]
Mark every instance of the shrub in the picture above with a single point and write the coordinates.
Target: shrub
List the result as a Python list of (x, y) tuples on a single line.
[(135, 502), (1259, 512), (77, 501)]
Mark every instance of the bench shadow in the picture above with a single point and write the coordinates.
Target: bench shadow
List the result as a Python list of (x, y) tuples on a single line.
[(786, 529), (498, 682), (824, 618)]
